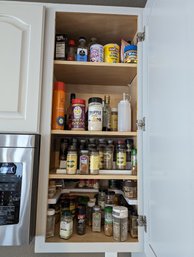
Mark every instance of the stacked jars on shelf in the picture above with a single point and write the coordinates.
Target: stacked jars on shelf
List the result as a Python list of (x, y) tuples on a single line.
[(105, 213), (91, 156)]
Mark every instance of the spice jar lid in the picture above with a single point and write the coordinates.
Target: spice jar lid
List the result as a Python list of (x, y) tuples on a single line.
[(120, 212), (114, 109), (78, 101), (66, 213), (71, 42), (96, 208), (95, 99), (130, 47), (84, 151), (50, 212), (108, 209), (59, 85), (91, 204), (111, 193)]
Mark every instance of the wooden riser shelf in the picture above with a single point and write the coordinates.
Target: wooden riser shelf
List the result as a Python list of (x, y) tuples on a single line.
[(94, 133)]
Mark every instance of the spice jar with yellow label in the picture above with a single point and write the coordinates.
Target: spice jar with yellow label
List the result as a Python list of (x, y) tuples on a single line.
[(94, 162), (71, 161), (121, 161)]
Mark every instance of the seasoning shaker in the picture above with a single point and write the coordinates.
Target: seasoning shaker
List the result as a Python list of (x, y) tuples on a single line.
[(120, 223)]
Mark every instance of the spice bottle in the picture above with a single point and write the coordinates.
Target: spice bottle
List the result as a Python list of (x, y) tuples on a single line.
[(94, 162), (63, 153), (108, 157), (100, 148), (82, 52), (78, 114), (66, 225), (50, 226), (71, 160), (69, 111), (120, 223), (58, 111), (81, 219), (121, 155), (71, 50), (134, 161), (95, 113), (96, 219), (60, 46), (108, 221), (129, 146), (84, 162), (106, 114), (114, 119), (89, 212)]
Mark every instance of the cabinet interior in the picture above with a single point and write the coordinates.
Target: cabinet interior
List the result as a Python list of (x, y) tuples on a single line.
[(94, 79)]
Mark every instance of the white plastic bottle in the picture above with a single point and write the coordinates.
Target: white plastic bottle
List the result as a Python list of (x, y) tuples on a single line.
[(124, 114)]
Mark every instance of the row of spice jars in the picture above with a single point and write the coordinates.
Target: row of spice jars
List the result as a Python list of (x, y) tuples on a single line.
[(94, 157), (93, 51)]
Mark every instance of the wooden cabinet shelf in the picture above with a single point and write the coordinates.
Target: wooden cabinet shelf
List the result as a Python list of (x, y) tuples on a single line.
[(111, 176), (94, 133), (89, 73)]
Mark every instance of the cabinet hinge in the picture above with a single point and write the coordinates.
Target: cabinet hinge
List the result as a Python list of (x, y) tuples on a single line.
[(141, 124), (140, 36), (142, 222)]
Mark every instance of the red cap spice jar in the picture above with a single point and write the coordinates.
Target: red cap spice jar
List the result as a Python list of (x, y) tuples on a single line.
[(78, 114)]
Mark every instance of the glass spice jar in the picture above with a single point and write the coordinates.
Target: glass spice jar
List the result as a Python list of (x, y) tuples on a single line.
[(96, 219), (78, 114), (114, 119), (108, 221), (121, 155), (50, 226), (71, 160), (94, 162), (84, 162), (108, 157), (66, 225), (81, 219), (89, 212), (120, 223)]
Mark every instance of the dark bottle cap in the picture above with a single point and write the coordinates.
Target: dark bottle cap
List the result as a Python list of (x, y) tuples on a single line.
[(95, 99)]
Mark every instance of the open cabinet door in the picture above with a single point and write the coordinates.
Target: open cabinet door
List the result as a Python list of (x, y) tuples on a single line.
[(169, 135)]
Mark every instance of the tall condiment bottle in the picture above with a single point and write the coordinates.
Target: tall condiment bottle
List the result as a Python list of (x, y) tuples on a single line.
[(124, 114), (106, 114), (58, 111)]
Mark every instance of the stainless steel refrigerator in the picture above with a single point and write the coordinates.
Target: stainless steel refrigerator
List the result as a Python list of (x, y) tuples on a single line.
[(19, 166)]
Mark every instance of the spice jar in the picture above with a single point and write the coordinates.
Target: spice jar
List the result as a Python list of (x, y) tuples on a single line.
[(78, 114), (89, 212), (133, 225), (130, 54), (95, 113), (134, 161), (96, 219), (71, 160), (94, 162), (50, 225), (84, 162), (120, 223), (108, 222), (66, 225), (121, 155), (100, 148), (110, 198), (101, 199), (114, 119), (81, 219), (108, 157), (130, 189)]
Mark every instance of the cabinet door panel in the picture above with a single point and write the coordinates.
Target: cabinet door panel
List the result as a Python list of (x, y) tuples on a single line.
[(20, 64), (169, 175)]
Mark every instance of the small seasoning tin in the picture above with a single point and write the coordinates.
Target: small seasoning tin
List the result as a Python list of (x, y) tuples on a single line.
[(130, 54), (78, 114), (96, 53), (111, 53), (95, 113), (84, 162)]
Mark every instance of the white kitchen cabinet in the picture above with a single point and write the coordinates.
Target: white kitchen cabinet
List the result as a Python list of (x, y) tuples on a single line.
[(22, 33), (163, 94)]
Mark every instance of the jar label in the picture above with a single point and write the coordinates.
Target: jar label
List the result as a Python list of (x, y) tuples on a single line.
[(71, 163), (114, 122), (95, 117), (101, 160), (66, 229), (121, 160), (94, 162), (108, 218), (82, 54)]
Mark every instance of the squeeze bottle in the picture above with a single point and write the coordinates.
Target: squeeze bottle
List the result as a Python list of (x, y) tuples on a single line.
[(124, 114)]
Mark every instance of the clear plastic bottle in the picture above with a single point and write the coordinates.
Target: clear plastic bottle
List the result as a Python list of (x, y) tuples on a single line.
[(82, 51), (50, 227), (124, 114)]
